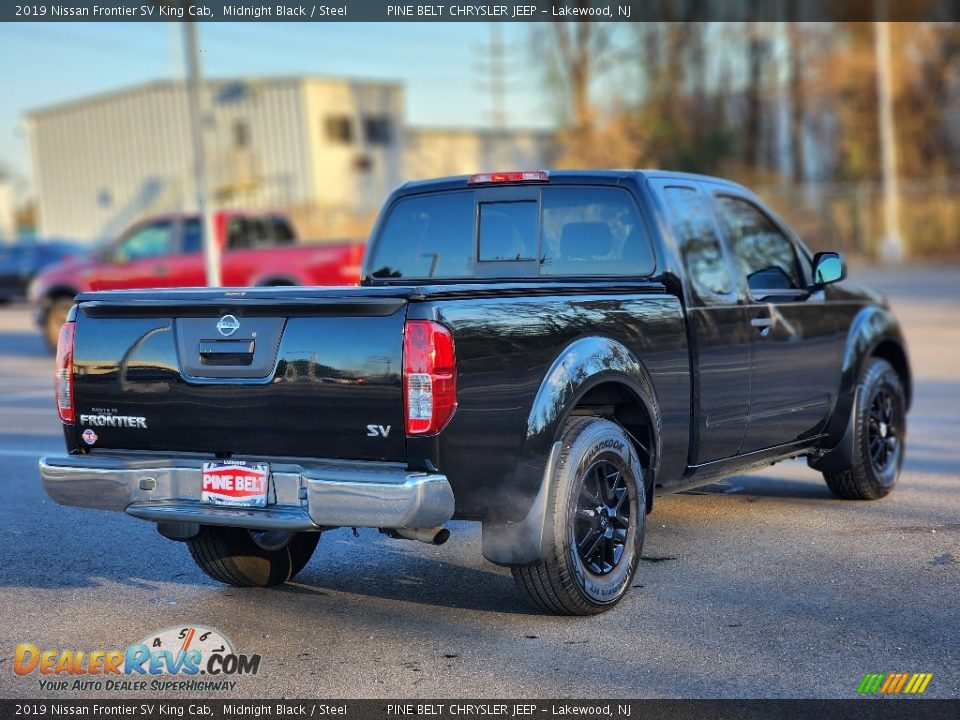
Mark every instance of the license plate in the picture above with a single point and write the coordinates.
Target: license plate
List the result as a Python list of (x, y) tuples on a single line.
[(235, 483)]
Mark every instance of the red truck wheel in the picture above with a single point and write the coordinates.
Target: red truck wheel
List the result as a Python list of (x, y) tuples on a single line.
[(56, 316)]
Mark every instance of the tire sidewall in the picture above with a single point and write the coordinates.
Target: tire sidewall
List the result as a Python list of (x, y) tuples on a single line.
[(601, 440), (231, 555), (880, 375)]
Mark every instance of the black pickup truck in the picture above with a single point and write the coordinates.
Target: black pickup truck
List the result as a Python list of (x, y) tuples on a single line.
[(540, 352)]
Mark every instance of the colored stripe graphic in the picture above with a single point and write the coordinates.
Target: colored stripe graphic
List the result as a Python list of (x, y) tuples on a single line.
[(894, 683), (901, 681), (870, 683)]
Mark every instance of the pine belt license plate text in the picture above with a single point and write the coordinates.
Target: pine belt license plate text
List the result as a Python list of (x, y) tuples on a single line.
[(235, 483)]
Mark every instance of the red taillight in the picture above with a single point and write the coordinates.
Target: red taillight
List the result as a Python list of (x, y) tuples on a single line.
[(509, 177), (429, 377), (64, 381)]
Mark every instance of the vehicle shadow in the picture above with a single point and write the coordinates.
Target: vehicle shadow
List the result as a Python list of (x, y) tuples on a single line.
[(386, 569), (767, 487)]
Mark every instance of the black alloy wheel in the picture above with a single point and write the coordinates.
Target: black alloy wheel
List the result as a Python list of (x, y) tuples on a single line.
[(882, 430), (602, 522)]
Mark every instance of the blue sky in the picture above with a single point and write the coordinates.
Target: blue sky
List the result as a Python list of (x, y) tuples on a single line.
[(47, 63)]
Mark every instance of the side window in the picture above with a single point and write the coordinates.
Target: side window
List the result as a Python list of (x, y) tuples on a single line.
[(192, 236), (280, 231), (508, 231), (699, 245), (593, 231), (148, 241), (239, 234), (766, 255)]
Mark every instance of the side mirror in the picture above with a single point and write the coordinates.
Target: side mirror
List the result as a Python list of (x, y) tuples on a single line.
[(828, 268)]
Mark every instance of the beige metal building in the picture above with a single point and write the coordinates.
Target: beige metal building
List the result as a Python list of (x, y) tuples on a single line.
[(435, 152), (327, 150)]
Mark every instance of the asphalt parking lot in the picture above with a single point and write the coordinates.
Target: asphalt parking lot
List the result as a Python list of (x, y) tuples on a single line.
[(761, 586)]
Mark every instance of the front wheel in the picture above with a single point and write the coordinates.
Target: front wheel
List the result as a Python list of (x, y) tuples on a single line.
[(879, 427), (595, 531), (250, 558)]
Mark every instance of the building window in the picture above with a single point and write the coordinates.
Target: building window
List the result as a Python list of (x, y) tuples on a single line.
[(339, 129), (241, 134), (377, 129)]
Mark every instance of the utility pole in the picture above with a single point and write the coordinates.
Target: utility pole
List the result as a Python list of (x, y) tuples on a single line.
[(211, 250), (891, 246), (498, 104), (492, 67)]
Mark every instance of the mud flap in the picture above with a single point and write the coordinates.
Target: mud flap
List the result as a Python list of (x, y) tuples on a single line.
[(840, 457), (521, 543)]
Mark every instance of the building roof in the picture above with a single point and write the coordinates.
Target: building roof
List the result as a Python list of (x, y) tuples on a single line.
[(169, 84), (479, 130)]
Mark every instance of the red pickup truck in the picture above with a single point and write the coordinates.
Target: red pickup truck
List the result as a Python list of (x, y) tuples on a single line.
[(166, 251)]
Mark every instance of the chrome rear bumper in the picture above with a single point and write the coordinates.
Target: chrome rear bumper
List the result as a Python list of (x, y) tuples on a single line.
[(303, 495)]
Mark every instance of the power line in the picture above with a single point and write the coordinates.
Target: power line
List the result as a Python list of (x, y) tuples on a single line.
[(493, 66)]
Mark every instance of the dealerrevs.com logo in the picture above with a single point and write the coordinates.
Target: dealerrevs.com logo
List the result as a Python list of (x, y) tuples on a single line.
[(191, 658)]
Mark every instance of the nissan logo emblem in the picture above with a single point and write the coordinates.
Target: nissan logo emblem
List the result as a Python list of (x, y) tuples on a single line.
[(228, 325)]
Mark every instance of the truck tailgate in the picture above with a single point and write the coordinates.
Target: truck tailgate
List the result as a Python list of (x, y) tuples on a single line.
[(286, 372)]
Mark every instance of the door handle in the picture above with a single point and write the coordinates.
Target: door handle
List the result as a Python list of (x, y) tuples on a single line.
[(226, 352), (161, 270), (763, 324)]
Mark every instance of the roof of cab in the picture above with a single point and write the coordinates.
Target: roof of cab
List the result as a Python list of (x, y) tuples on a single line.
[(570, 176)]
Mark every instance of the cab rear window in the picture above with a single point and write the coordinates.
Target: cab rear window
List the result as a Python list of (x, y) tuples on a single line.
[(593, 231), (563, 231), (427, 236)]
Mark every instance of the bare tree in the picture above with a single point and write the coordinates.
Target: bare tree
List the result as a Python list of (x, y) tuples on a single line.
[(796, 94), (758, 48), (579, 52)]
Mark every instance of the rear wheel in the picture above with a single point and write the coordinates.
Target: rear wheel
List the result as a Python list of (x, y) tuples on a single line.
[(879, 426), (54, 319), (595, 533), (250, 558)]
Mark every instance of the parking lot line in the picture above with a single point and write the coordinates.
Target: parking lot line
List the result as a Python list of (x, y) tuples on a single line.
[(27, 453)]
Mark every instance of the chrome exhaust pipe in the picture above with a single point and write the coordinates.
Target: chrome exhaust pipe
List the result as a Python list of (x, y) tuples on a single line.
[(431, 536)]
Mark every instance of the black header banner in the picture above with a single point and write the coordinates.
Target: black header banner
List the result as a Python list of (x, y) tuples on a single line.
[(479, 10), (266, 709)]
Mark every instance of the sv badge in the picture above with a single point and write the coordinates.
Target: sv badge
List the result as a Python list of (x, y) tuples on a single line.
[(378, 430)]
